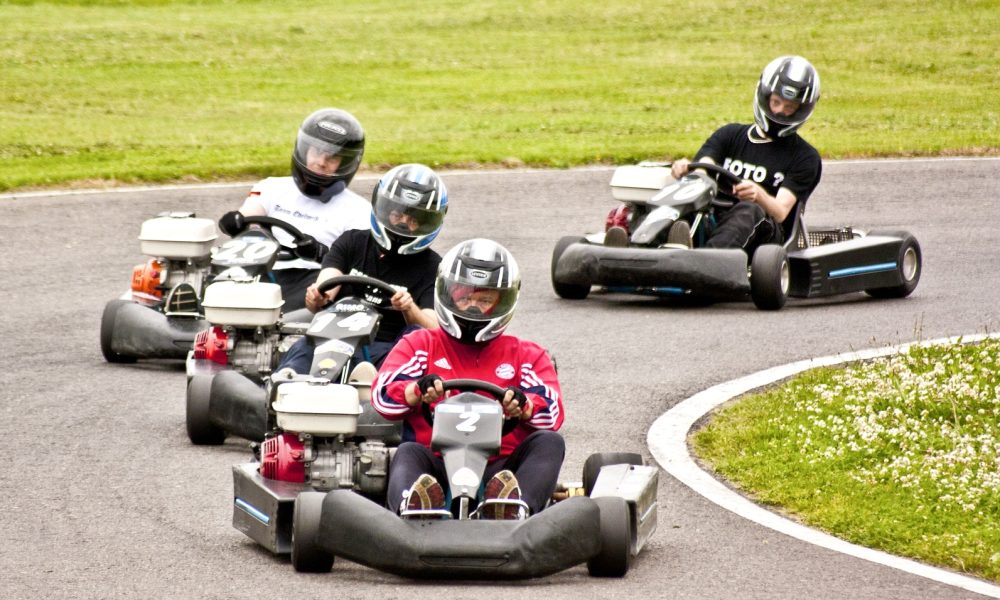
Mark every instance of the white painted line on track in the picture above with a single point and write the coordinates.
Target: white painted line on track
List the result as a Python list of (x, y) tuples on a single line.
[(667, 441)]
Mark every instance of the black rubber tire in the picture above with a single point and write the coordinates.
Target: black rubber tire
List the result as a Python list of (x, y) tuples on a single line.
[(592, 466), (910, 260), (615, 556), (568, 291), (108, 332), (307, 556), (200, 429), (770, 277)]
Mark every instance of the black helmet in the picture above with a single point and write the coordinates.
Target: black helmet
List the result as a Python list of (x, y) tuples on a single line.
[(792, 78), (327, 134), (408, 207), (476, 290)]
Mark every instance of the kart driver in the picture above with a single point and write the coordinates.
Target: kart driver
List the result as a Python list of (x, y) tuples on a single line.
[(475, 296), (779, 168), (315, 199), (407, 212)]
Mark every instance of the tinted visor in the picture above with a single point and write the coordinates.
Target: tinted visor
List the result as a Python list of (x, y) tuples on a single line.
[(476, 303), (349, 157), (405, 218)]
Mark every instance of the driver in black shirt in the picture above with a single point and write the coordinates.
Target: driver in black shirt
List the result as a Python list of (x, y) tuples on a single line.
[(408, 208), (779, 169)]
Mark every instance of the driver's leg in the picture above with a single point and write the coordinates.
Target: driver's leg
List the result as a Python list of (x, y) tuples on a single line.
[(410, 462), (536, 463)]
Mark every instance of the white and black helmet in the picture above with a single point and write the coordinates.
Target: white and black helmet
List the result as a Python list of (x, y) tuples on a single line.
[(333, 133), (408, 207), (476, 291), (791, 78)]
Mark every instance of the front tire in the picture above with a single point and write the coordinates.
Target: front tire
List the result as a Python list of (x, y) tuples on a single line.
[(770, 277), (615, 556), (108, 333), (307, 556), (569, 291), (910, 261), (200, 429)]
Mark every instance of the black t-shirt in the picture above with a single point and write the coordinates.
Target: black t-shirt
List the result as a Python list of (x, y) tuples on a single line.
[(788, 162), (356, 253)]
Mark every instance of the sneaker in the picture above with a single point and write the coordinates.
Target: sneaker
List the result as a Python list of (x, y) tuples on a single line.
[(679, 234), (502, 498), (616, 236), (361, 378), (425, 496)]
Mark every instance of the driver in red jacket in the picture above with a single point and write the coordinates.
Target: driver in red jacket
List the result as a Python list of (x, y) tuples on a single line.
[(475, 296)]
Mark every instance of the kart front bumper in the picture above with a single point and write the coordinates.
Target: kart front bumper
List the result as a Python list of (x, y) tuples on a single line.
[(139, 331)]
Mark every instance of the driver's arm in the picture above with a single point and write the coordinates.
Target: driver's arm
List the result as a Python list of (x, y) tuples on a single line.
[(777, 206), (411, 311), (252, 208), (315, 300), (679, 168)]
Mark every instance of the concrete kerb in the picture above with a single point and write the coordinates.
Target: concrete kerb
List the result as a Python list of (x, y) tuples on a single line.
[(667, 440)]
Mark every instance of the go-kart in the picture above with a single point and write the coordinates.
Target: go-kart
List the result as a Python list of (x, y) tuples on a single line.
[(605, 528), (810, 263), (324, 434), (163, 312), (223, 400)]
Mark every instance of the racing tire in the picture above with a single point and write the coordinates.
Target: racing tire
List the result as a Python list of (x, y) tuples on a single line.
[(770, 277), (108, 333), (592, 466), (910, 261), (307, 556), (200, 429), (615, 556), (568, 291)]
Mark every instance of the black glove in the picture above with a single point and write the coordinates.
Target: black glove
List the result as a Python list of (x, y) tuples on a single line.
[(309, 248), (232, 223), (427, 382), (518, 395)]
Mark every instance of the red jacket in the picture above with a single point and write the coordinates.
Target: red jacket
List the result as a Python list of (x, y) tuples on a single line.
[(504, 361)]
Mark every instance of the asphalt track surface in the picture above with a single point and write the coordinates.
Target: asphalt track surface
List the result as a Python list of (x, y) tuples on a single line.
[(104, 497)]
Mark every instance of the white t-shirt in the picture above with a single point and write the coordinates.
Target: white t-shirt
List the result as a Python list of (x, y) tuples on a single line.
[(281, 198)]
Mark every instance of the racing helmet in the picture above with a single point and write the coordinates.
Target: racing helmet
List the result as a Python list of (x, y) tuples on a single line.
[(791, 78), (326, 135), (476, 290), (408, 207)]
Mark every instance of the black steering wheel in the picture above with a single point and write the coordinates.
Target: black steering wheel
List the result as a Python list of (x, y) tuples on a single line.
[(474, 385), (269, 223), (333, 282), (721, 175)]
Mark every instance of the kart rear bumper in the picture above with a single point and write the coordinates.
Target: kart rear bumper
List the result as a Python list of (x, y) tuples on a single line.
[(705, 271), (146, 333)]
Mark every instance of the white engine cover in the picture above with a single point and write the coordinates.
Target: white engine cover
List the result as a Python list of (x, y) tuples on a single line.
[(639, 183), (177, 236), (320, 408), (242, 303)]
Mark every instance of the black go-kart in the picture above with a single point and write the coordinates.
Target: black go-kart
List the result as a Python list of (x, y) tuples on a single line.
[(812, 262), (164, 309), (605, 528)]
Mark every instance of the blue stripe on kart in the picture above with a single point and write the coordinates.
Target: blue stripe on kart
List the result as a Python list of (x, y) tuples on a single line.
[(877, 268), (676, 291), (253, 512)]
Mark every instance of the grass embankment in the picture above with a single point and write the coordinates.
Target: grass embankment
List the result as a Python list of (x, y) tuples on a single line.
[(900, 454), (206, 90)]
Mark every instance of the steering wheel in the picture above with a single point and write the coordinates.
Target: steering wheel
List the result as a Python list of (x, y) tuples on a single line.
[(722, 175), (269, 223), (333, 282), (474, 385)]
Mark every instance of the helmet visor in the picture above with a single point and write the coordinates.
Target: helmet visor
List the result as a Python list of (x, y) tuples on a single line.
[(475, 303), (405, 218), (325, 158)]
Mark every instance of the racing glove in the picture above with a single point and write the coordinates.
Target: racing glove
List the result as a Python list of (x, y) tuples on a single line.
[(518, 395), (427, 382), (232, 223), (309, 248)]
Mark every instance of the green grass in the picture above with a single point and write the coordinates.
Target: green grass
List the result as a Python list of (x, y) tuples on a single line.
[(161, 91), (900, 454)]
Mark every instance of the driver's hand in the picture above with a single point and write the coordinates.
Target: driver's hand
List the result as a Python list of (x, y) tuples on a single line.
[(427, 389), (402, 301), (516, 405), (315, 300), (749, 191), (679, 168)]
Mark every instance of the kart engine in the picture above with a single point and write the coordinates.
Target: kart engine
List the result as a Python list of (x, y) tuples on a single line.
[(326, 463), (254, 352)]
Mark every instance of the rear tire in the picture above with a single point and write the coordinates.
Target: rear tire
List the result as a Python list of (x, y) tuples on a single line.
[(108, 333), (770, 277), (910, 261), (594, 463), (307, 556), (615, 556), (200, 429), (569, 291)]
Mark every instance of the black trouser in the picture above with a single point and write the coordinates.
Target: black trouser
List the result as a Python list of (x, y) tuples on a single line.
[(745, 226), (293, 284), (535, 462)]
